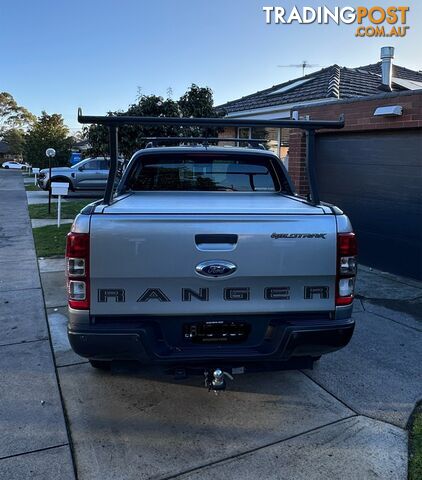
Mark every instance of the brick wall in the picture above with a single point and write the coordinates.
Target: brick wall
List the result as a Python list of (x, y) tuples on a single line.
[(228, 132), (358, 117)]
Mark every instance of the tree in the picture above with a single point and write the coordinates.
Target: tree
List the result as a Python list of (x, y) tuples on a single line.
[(15, 138), (13, 116), (196, 102), (48, 131)]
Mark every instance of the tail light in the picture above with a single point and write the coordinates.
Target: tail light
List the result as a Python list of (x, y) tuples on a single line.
[(77, 270), (346, 268)]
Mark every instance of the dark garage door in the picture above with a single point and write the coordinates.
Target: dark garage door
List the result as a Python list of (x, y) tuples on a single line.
[(376, 178)]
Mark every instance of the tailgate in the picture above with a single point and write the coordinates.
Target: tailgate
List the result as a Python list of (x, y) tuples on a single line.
[(146, 264)]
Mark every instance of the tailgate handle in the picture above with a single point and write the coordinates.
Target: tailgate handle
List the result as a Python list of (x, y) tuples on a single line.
[(215, 241), (216, 238)]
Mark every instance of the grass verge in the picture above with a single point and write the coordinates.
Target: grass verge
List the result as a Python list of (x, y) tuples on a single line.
[(32, 188), (69, 209), (50, 241), (415, 445)]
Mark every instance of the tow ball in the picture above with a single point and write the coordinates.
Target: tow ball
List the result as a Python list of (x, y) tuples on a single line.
[(215, 380)]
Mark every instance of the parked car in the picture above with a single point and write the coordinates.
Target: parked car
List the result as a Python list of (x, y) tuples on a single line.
[(206, 258), (88, 174), (14, 165)]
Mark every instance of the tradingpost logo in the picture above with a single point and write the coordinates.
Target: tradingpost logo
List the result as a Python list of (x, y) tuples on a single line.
[(370, 21)]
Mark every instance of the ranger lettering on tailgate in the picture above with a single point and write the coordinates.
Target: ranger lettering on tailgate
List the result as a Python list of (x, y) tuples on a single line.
[(270, 293)]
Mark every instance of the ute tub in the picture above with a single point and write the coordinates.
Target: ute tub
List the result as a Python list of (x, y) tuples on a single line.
[(160, 340)]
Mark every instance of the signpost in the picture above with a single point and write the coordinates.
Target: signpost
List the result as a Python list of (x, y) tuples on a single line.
[(35, 171), (59, 189), (50, 153)]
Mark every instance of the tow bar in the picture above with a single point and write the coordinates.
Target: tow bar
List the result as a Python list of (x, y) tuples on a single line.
[(215, 380)]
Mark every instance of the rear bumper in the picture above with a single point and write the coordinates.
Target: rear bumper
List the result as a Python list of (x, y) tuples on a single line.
[(160, 341)]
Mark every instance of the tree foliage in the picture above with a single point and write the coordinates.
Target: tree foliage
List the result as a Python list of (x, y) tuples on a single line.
[(197, 102), (12, 115), (48, 131), (16, 140)]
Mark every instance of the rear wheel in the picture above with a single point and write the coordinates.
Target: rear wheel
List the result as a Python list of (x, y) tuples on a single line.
[(100, 364)]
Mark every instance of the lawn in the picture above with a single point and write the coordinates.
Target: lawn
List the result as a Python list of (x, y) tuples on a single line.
[(50, 241), (69, 209), (32, 188), (415, 450)]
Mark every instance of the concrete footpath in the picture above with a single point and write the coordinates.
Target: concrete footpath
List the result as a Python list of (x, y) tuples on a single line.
[(34, 442)]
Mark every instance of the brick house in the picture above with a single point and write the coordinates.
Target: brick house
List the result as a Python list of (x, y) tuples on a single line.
[(372, 168), (327, 86)]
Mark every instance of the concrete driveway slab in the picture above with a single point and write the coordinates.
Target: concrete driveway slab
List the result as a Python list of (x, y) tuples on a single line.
[(21, 277), (406, 312), (52, 464), (353, 449), (148, 426), (376, 284), (54, 286), (22, 317), (379, 373), (63, 353), (52, 264), (31, 416)]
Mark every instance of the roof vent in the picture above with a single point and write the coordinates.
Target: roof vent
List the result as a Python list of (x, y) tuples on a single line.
[(387, 55)]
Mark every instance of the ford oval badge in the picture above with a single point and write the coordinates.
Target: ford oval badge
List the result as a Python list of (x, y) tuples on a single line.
[(215, 268)]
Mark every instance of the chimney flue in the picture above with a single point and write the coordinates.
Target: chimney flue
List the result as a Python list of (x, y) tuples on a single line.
[(387, 55)]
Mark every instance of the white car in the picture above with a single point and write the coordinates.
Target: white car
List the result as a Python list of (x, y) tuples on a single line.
[(15, 165)]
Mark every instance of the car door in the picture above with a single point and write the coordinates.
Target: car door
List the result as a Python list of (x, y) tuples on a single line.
[(87, 175), (104, 167)]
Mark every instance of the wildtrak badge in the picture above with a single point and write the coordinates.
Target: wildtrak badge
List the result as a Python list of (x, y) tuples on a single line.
[(298, 235)]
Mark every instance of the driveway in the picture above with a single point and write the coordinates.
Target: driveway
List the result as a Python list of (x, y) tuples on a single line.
[(345, 419)]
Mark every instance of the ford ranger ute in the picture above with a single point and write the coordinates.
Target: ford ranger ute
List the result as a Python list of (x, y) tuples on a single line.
[(205, 258)]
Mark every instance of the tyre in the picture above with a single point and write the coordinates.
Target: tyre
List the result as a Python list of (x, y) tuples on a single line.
[(100, 364), (7, 166)]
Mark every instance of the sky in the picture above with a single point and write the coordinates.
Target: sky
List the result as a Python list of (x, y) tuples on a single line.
[(58, 55)]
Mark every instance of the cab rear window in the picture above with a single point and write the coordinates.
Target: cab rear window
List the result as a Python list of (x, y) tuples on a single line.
[(199, 172)]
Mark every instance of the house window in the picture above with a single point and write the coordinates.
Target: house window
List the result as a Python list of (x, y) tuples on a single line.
[(243, 132), (275, 137)]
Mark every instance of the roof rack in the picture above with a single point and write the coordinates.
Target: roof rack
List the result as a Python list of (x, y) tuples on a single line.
[(205, 141), (114, 121)]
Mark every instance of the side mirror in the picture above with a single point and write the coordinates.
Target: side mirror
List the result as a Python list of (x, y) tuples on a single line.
[(81, 169)]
